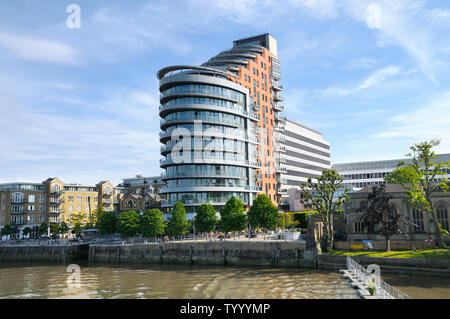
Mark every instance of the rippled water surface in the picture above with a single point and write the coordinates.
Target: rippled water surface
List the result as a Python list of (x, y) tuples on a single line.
[(168, 281)]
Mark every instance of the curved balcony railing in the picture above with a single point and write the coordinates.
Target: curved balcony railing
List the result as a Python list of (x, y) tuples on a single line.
[(211, 119), (220, 108), (201, 160), (247, 137)]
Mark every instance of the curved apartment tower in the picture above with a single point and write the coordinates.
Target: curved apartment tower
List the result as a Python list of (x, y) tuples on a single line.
[(220, 126)]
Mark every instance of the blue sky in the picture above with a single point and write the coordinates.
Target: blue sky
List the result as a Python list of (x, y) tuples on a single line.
[(81, 104)]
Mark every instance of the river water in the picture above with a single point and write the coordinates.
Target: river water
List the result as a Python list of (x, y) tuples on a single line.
[(20, 280)]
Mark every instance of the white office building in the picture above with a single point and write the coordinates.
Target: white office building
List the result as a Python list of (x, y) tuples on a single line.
[(305, 154), (360, 174)]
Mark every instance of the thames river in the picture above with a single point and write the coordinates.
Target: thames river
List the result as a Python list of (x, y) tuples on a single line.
[(20, 280)]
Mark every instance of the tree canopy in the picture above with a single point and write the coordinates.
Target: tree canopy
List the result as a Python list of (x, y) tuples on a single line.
[(178, 225), (107, 223), (62, 228), (6, 230), (326, 196), (128, 224), (206, 219), (43, 229), (263, 213), (232, 216), (152, 223), (422, 178)]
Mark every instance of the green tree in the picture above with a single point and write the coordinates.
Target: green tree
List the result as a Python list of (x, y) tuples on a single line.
[(263, 213), (152, 223), (326, 196), (77, 221), (206, 219), (7, 230), (54, 229), (422, 179), (107, 223), (63, 228), (43, 229), (92, 218), (232, 216), (128, 224), (27, 231), (178, 225)]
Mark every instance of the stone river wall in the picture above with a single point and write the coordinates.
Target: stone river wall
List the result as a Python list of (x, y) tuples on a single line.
[(58, 253), (265, 254)]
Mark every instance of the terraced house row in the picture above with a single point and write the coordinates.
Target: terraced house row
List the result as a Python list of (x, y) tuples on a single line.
[(52, 201)]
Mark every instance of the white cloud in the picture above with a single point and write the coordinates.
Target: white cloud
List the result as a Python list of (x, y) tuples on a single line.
[(400, 23), (378, 76), (440, 17), (37, 49), (424, 123), (362, 63), (318, 8), (115, 138), (372, 80)]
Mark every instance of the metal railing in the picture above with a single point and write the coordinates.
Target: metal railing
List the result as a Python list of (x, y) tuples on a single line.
[(383, 289)]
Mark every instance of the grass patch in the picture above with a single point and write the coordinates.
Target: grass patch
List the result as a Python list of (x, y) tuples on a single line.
[(443, 254)]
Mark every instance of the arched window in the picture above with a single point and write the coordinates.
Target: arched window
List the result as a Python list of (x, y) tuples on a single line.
[(130, 204), (442, 215), (418, 220)]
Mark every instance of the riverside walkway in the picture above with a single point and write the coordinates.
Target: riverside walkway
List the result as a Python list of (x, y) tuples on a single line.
[(360, 278)]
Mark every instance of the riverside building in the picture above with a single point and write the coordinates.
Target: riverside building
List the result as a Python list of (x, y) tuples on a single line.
[(29, 204), (222, 130)]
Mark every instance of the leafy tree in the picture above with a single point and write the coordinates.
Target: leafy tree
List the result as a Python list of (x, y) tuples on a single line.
[(27, 231), (128, 224), (92, 219), (7, 230), (263, 213), (107, 223), (326, 196), (232, 216), (422, 178), (206, 219), (77, 221), (152, 223), (63, 228), (43, 229), (54, 229), (178, 225), (380, 214)]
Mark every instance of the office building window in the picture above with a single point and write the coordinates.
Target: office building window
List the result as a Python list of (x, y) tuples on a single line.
[(31, 198), (70, 198), (41, 198)]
